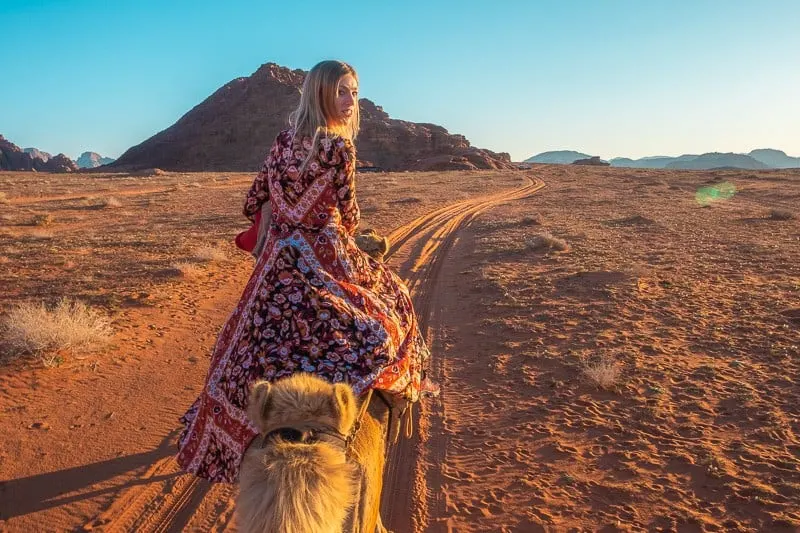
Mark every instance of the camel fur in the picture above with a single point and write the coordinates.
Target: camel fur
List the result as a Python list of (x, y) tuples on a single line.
[(318, 486), (375, 245)]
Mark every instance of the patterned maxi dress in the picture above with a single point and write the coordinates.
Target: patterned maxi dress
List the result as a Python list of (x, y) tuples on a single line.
[(314, 303)]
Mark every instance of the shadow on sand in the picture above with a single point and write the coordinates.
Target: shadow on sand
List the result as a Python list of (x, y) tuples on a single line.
[(31, 494)]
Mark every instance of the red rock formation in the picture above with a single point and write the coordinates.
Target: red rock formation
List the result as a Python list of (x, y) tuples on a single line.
[(234, 128), (13, 158), (593, 161)]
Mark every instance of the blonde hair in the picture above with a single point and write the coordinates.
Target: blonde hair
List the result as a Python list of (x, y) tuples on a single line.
[(314, 115)]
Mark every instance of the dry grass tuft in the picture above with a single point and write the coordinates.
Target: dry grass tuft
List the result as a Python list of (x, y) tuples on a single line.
[(209, 254), (38, 329), (109, 202), (604, 372), (186, 269), (781, 214), (42, 220), (547, 241), (40, 235)]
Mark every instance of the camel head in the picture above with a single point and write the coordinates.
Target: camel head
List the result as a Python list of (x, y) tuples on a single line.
[(291, 483), (302, 402)]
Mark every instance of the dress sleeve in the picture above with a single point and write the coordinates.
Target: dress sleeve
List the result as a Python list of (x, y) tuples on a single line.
[(345, 184), (259, 191)]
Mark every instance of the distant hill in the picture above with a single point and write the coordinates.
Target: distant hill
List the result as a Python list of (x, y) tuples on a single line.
[(649, 162), (775, 158), (719, 160), (763, 158), (93, 160), (559, 157)]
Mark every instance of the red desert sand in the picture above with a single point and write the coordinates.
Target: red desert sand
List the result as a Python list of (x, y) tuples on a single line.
[(618, 348)]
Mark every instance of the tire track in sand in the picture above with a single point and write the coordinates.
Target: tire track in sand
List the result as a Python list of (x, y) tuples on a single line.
[(164, 500), (406, 497)]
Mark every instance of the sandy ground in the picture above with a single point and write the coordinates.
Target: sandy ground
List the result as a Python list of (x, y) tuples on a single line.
[(692, 310)]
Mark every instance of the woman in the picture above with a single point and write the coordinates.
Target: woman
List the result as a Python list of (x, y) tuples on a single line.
[(315, 302)]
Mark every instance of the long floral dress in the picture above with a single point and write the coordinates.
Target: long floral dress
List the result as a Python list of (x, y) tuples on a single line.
[(314, 303)]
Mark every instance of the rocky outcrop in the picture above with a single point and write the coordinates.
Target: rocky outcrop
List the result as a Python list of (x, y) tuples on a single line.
[(93, 160), (234, 128), (35, 152), (59, 163), (592, 161), (12, 157)]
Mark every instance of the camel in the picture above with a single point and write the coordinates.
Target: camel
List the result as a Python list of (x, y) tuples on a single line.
[(317, 465)]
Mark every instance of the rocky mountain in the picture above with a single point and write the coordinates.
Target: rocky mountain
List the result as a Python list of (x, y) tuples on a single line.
[(35, 152), (93, 160), (558, 157), (12, 157), (233, 129), (775, 158)]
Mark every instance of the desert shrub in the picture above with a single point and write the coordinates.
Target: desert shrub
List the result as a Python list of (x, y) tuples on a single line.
[(39, 329), (603, 372), (781, 214), (209, 254), (43, 220), (40, 235), (109, 202), (187, 269), (4, 198), (547, 241)]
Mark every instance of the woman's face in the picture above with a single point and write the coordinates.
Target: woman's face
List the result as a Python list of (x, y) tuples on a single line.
[(346, 98)]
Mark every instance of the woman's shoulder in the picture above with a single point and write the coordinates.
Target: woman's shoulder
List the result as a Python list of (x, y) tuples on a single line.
[(336, 149)]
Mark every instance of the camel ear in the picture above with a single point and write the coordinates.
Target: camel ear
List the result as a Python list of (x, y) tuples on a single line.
[(344, 405), (259, 403)]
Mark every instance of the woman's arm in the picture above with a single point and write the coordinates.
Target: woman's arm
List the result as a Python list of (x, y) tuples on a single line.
[(263, 229), (258, 195), (345, 184)]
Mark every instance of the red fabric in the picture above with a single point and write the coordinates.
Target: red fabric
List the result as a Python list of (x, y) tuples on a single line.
[(247, 239)]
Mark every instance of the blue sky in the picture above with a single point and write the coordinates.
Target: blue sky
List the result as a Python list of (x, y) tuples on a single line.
[(605, 77)]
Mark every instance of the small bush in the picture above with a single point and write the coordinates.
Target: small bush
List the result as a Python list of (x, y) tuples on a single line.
[(604, 372), (110, 202), (40, 235), (209, 254), (186, 269), (781, 214), (547, 241), (43, 220), (36, 328)]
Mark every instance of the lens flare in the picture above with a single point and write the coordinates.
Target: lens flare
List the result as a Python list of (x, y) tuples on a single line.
[(715, 193)]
